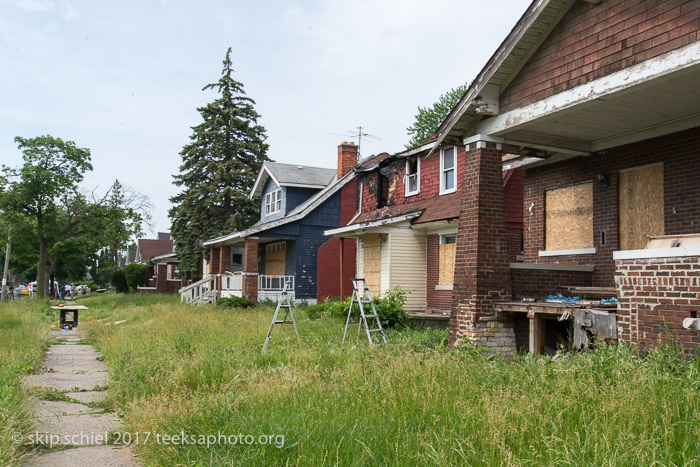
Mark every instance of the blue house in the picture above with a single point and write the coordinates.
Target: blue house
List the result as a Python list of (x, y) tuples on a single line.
[(287, 245)]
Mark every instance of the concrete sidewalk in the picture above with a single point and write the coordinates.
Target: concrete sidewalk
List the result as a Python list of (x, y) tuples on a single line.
[(75, 431)]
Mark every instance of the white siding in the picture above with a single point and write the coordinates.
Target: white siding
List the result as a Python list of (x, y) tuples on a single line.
[(408, 268), (385, 256), (359, 259)]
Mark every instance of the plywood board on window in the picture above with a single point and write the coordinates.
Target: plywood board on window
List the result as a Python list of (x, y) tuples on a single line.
[(275, 262), (641, 198), (372, 260), (446, 266), (569, 217)]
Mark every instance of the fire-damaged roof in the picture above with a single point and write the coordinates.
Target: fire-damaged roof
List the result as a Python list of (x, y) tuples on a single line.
[(433, 209)]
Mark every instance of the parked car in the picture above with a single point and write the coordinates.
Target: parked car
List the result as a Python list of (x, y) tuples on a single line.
[(21, 291)]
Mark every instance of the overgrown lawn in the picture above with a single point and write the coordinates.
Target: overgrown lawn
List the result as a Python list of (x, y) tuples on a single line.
[(199, 371), (24, 336)]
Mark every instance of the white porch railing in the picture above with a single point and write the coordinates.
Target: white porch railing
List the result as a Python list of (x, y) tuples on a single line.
[(205, 290), (271, 286)]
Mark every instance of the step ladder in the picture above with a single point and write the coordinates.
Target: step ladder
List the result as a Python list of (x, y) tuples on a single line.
[(362, 297), (285, 302)]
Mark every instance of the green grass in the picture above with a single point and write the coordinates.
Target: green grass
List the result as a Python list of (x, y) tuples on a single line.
[(23, 339), (198, 370)]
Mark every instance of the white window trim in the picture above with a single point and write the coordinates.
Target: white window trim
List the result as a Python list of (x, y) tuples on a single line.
[(405, 178), (444, 191), (273, 207), (444, 236)]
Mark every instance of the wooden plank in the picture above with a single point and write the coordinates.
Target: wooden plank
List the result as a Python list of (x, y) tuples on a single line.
[(372, 262), (275, 262), (569, 217), (641, 206), (447, 264)]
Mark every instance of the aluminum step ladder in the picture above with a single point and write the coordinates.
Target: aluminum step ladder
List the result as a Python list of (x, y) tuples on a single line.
[(361, 297), (283, 302)]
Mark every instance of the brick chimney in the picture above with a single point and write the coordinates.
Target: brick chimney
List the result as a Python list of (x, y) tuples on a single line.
[(347, 158)]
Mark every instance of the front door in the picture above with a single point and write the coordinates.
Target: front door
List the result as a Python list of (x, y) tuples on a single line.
[(641, 204)]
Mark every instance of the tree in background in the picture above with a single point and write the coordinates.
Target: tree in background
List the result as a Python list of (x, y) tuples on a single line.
[(45, 190), (218, 170), (428, 119), (56, 229), (135, 275)]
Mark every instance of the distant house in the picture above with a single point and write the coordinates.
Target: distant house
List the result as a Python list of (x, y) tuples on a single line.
[(406, 227), (159, 256), (297, 204)]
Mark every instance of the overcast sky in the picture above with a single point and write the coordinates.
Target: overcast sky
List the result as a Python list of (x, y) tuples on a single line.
[(124, 78)]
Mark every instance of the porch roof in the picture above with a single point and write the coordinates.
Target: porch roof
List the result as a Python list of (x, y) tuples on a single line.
[(359, 228)]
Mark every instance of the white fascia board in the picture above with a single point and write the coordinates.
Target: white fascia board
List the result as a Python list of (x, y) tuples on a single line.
[(417, 150), (303, 185), (640, 73), (260, 181), (677, 252), (366, 225)]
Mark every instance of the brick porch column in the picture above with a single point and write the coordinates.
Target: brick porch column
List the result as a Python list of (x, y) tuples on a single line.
[(482, 272), (213, 265), (224, 259), (250, 269), (161, 278)]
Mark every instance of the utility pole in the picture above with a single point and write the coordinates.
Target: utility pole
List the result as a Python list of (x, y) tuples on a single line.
[(7, 265)]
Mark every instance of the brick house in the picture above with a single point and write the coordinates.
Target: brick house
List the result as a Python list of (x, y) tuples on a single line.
[(406, 226), (159, 256), (606, 95), (297, 204)]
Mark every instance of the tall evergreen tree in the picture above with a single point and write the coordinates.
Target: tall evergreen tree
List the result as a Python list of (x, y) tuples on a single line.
[(218, 170)]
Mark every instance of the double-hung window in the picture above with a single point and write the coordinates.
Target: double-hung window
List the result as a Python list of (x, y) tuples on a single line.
[(273, 202), (448, 166), (412, 179)]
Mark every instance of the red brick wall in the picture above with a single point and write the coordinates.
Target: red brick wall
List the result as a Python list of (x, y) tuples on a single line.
[(655, 295), (515, 243), (429, 182), (328, 263), (437, 299), (680, 154), (539, 283), (592, 41)]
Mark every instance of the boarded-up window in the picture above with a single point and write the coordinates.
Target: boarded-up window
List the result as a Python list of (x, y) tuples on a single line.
[(446, 257), (372, 260), (275, 259), (641, 198), (569, 217)]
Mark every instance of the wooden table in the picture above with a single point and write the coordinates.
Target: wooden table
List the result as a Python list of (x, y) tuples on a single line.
[(63, 312)]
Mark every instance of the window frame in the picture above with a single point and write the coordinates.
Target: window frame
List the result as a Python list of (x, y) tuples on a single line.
[(443, 189), (444, 239), (407, 175), (273, 206)]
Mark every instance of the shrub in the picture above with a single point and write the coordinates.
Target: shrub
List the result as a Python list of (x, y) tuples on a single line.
[(389, 307), (315, 311), (135, 275), (233, 302), (118, 280)]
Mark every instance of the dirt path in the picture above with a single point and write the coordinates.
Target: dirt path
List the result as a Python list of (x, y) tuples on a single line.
[(70, 428)]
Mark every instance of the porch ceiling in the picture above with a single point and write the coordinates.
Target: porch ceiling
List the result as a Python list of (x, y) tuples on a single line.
[(601, 120)]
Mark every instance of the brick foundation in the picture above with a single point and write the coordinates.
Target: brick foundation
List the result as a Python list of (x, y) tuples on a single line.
[(482, 273), (655, 295)]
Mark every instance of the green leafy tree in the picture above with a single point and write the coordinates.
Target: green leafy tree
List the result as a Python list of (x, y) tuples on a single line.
[(118, 280), (45, 190), (218, 170), (428, 119)]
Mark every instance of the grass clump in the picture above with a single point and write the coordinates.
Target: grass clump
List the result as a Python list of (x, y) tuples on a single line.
[(24, 337), (198, 370), (233, 302)]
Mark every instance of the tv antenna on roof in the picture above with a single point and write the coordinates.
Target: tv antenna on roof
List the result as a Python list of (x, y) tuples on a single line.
[(359, 134)]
